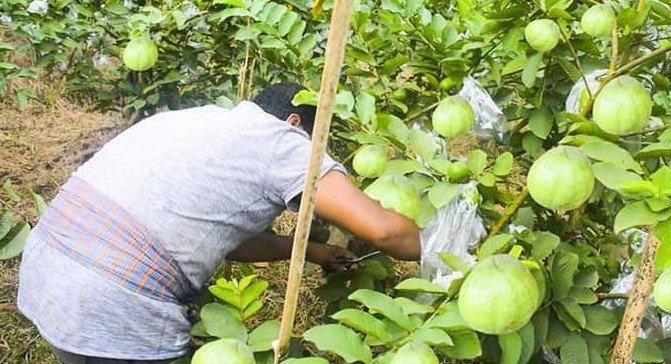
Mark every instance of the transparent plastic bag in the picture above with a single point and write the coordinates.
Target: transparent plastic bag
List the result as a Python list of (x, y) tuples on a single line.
[(573, 100), (489, 119), (455, 229)]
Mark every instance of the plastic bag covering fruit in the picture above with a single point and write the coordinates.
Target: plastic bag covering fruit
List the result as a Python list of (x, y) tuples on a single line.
[(140, 54), (453, 116), (662, 291), (599, 21), (561, 179), (579, 97), (499, 296), (370, 161), (223, 351), (623, 106), (490, 121), (415, 352), (542, 34), (396, 193)]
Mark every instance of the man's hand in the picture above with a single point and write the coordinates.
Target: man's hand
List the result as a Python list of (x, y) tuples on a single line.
[(325, 255)]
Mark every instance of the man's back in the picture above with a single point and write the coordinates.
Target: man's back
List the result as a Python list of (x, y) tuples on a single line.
[(201, 180)]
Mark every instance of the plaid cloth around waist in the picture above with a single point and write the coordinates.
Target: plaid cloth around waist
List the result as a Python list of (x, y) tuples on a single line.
[(98, 233)]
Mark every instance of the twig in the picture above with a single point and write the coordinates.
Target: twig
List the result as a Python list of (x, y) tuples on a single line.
[(637, 302), (510, 211), (576, 59), (421, 112), (614, 46)]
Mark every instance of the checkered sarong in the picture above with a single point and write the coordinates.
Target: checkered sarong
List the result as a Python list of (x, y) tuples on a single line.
[(99, 234)]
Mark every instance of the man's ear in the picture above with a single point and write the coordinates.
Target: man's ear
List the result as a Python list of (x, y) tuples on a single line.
[(295, 120)]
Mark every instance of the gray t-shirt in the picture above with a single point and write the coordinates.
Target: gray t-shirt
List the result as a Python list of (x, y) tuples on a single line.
[(203, 180)]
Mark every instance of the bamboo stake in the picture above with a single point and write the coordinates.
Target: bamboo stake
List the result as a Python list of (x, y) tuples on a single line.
[(637, 302), (335, 51)]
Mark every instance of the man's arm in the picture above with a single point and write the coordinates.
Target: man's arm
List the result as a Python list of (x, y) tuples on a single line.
[(340, 202), (267, 247)]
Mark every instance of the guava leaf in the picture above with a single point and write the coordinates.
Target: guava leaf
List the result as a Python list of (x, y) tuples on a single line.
[(5, 224), (544, 243), (286, 23), (540, 122), (426, 212), (541, 323), (564, 267), (339, 340), (13, 242), (198, 330), (402, 166), (226, 294), (640, 188), (420, 285), (411, 307), (380, 303), (557, 333), (663, 233), (363, 322), (532, 144), (440, 165), (261, 338), (40, 205), (573, 310), (252, 292), (220, 321), (612, 175), (531, 69), (638, 214), (583, 295), (393, 126), (657, 150), (448, 319), (365, 107), (662, 179), (574, 350), (251, 309), (466, 345), (528, 336), (305, 97), (422, 144), (494, 244), (442, 193), (503, 164), (600, 320), (454, 262), (587, 278), (431, 336), (487, 179), (477, 161), (646, 351), (604, 151), (665, 136), (511, 348)]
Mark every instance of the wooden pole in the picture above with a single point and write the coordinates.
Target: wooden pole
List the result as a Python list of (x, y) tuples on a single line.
[(637, 302), (335, 51)]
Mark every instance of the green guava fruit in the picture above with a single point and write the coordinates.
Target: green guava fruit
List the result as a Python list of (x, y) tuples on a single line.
[(662, 291), (599, 21), (140, 54), (453, 116), (561, 179), (415, 352), (542, 34), (449, 83), (370, 161), (499, 296), (457, 171), (224, 351), (400, 94), (623, 106), (395, 192)]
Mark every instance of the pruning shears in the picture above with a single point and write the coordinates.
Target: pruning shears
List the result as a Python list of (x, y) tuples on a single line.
[(347, 263)]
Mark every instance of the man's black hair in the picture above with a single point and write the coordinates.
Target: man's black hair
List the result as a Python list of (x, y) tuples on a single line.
[(276, 100)]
